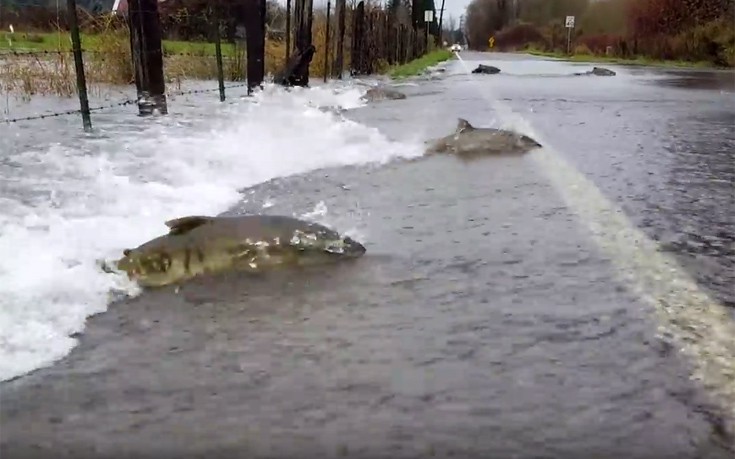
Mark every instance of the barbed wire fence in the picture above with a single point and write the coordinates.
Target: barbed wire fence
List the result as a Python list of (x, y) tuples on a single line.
[(102, 56), (362, 36), (25, 69), (113, 105)]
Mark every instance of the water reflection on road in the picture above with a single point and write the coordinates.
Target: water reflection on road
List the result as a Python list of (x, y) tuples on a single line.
[(485, 320)]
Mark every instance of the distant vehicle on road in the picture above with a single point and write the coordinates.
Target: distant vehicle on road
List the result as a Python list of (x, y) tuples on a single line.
[(455, 48)]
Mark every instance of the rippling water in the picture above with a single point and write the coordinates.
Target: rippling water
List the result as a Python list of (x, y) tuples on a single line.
[(484, 319)]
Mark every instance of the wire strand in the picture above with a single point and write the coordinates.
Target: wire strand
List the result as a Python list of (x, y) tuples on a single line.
[(113, 105)]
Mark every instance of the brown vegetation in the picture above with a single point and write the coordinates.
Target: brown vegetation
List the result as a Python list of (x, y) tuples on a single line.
[(106, 41), (109, 62), (687, 30)]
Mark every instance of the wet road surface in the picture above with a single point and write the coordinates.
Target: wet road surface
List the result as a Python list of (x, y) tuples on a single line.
[(483, 322)]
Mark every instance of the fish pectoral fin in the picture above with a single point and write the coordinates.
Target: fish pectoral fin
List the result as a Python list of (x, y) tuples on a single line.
[(185, 224)]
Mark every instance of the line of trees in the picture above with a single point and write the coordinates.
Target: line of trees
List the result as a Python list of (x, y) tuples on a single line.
[(38, 15), (694, 30), (191, 19)]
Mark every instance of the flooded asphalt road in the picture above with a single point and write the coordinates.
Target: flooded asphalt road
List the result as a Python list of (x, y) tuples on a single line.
[(483, 322)]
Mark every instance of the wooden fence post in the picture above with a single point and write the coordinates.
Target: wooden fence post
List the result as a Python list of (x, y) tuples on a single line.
[(304, 15), (145, 38), (218, 54), (338, 67), (288, 30), (79, 64), (255, 42), (326, 44), (357, 60)]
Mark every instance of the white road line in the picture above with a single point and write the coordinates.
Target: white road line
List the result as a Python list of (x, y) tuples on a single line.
[(699, 326)]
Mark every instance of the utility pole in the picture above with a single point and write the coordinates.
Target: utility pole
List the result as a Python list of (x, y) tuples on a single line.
[(461, 28), (440, 38)]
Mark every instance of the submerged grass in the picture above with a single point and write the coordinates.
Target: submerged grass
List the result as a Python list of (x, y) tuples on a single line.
[(640, 60), (416, 66)]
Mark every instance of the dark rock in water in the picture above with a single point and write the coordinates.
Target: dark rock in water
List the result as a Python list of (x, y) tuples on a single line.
[(486, 69), (598, 71)]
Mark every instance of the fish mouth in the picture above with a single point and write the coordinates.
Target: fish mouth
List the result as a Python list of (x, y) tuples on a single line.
[(353, 248), (145, 268)]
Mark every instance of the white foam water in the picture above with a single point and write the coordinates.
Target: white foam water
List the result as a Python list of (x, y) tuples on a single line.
[(65, 206)]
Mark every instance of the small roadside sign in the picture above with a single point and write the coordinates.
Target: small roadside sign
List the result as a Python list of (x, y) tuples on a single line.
[(428, 16), (570, 26)]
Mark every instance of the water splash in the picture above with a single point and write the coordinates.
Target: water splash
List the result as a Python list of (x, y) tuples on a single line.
[(82, 198)]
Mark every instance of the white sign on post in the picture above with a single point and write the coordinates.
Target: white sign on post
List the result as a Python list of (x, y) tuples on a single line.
[(428, 16), (570, 26)]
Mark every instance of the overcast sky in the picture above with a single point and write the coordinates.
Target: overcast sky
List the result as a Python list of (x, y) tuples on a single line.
[(454, 8)]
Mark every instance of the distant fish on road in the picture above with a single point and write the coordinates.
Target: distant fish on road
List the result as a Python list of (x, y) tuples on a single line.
[(597, 71), (469, 141), (382, 93)]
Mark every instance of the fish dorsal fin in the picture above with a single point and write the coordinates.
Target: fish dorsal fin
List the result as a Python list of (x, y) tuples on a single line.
[(185, 224), (463, 126)]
